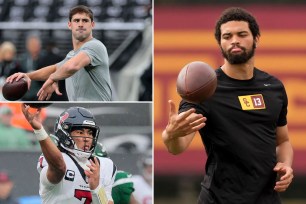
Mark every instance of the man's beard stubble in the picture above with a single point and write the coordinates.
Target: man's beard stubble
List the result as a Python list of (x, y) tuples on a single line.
[(239, 58), (81, 37)]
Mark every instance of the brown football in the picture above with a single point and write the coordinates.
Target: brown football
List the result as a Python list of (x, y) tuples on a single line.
[(196, 82), (15, 90)]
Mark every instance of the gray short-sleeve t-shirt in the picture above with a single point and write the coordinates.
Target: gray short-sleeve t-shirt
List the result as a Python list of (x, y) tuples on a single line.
[(91, 83)]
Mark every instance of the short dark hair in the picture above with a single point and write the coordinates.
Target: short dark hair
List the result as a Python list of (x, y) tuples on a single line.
[(236, 14), (80, 9)]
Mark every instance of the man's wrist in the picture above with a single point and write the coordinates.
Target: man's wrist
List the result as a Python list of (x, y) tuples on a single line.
[(52, 78), (99, 195), (29, 75), (167, 136), (41, 134)]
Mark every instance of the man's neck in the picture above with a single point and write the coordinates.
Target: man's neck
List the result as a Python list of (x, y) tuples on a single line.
[(239, 71), (77, 44)]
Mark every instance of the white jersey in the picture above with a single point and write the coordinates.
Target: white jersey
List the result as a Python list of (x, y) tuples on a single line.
[(143, 191), (73, 188)]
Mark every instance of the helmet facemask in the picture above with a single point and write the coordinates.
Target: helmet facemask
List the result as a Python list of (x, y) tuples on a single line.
[(73, 119)]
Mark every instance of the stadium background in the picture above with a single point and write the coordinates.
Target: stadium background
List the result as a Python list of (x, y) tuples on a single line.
[(124, 26), (184, 32)]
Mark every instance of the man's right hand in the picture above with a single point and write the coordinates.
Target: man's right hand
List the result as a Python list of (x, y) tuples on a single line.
[(183, 124), (93, 173), (18, 76), (181, 129), (32, 117)]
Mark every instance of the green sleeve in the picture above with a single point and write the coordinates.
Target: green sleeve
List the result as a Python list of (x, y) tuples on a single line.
[(123, 188)]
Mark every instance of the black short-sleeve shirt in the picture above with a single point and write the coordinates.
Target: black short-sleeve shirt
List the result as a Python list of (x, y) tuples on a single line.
[(240, 138)]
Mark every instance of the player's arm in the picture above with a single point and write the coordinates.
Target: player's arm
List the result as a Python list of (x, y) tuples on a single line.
[(284, 149), (42, 74), (38, 75), (181, 129), (284, 154), (56, 164), (65, 70), (71, 66), (176, 144)]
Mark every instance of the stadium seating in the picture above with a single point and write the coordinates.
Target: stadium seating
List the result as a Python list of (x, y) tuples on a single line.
[(53, 11)]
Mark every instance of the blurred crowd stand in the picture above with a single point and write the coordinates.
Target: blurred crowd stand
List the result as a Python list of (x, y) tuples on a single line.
[(33, 59), (29, 62), (10, 136), (15, 133), (8, 62)]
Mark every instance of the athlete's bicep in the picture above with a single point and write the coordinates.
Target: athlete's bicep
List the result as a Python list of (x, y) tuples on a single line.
[(79, 61), (83, 58), (44, 181)]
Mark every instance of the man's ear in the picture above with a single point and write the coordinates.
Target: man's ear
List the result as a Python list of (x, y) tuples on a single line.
[(256, 41), (69, 25)]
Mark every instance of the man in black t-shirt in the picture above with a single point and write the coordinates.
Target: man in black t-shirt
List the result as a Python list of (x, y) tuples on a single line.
[(243, 126)]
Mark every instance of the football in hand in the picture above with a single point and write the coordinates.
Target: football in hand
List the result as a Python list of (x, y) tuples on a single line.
[(196, 82), (15, 90)]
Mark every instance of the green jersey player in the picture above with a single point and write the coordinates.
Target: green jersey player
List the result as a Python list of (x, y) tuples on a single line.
[(123, 187)]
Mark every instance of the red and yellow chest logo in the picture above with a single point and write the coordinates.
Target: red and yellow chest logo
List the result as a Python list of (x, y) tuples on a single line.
[(252, 102)]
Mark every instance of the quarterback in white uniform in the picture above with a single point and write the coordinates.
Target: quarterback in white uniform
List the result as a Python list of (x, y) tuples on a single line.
[(69, 173)]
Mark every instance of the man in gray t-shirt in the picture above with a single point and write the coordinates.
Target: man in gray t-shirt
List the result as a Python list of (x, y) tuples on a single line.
[(85, 68), (91, 83)]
